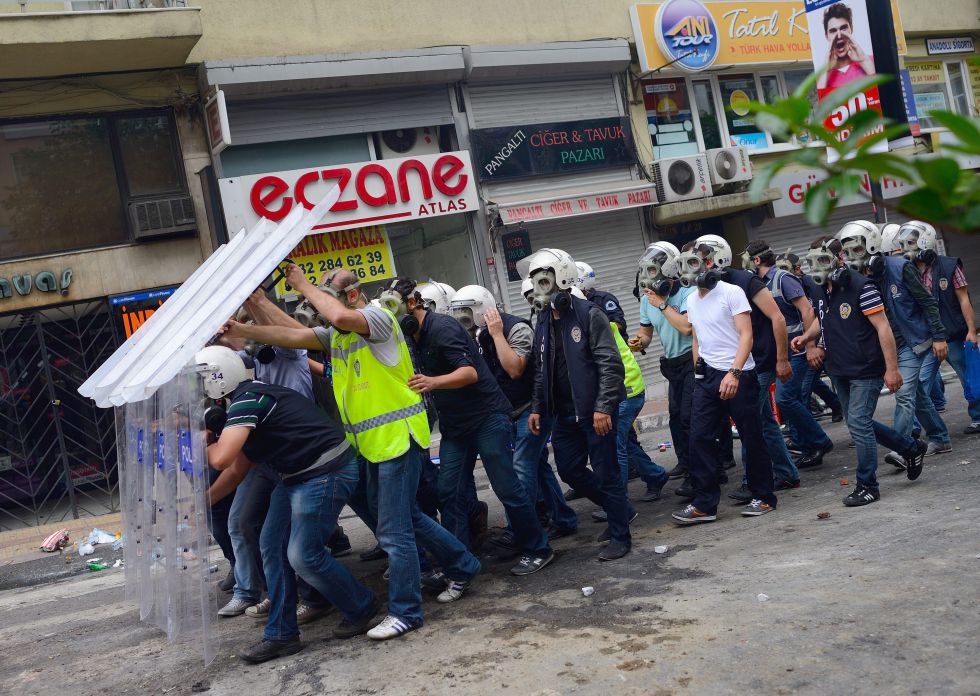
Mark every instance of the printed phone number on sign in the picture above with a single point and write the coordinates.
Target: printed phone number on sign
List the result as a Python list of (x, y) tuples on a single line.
[(368, 267), (364, 252)]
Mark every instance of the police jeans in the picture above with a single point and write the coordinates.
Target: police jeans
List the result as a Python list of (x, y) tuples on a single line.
[(707, 409), (782, 464), (301, 518), (629, 450), (795, 411), (957, 360), (813, 384), (245, 522), (859, 398), (491, 441), (536, 474), (392, 486), (912, 400), (576, 444)]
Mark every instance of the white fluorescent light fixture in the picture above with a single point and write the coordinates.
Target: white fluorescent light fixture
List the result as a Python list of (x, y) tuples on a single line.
[(188, 319)]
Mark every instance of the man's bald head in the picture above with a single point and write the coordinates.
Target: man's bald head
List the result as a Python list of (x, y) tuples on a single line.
[(344, 282)]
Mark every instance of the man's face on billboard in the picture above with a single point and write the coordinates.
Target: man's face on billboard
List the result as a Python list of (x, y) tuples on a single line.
[(839, 35)]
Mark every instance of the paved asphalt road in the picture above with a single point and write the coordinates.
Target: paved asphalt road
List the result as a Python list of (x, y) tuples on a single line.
[(875, 600)]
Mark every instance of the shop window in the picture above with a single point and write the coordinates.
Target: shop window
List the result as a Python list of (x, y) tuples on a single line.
[(737, 91), (282, 156), (707, 114), (928, 89), (793, 79), (772, 93), (669, 118), (958, 88), (67, 184)]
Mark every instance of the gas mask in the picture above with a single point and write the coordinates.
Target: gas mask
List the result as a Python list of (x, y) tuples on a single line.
[(545, 288), (821, 264), (652, 271), (748, 260), (260, 353), (393, 301), (306, 314), (408, 324), (464, 315), (856, 254), (708, 279), (690, 265), (909, 244), (785, 265), (839, 277)]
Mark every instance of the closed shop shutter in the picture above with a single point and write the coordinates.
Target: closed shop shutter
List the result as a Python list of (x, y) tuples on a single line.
[(493, 105), (610, 243), (319, 115)]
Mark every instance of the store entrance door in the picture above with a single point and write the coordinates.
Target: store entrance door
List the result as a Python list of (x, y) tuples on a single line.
[(57, 450)]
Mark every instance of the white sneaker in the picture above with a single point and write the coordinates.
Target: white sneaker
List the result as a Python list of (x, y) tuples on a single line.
[(896, 460), (236, 607), (454, 590), (305, 613), (390, 627), (260, 610), (936, 448)]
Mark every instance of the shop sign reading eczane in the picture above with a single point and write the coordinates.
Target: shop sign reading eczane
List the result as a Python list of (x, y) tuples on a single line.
[(795, 184), (387, 190), (552, 148)]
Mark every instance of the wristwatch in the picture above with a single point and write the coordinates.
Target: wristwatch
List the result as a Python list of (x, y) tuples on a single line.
[(662, 306), (735, 372)]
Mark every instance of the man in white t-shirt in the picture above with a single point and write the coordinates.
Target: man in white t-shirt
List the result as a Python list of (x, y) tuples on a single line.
[(724, 382)]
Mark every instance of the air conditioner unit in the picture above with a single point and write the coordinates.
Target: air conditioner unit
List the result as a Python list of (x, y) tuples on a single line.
[(681, 178), (161, 216), (408, 142), (729, 165)]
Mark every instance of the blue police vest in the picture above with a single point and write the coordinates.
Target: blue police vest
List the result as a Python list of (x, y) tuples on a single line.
[(794, 322), (945, 294), (904, 313), (572, 329)]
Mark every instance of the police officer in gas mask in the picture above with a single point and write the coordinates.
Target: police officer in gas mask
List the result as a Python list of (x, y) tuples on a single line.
[(579, 382), (605, 301), (943, 276), (913, 314)]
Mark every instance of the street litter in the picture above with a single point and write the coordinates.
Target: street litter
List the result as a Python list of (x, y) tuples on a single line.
[(844, 482), (100, 536), (664, 446), (85, 549), (119, 543), (94, 565), (660, 549), (823, 515), (762, 597), (588, 591), (56, 541), (118, 563)]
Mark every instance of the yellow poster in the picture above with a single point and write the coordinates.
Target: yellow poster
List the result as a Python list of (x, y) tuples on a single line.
[(975, 84), (926, 73), (365, 251), (747, 33)]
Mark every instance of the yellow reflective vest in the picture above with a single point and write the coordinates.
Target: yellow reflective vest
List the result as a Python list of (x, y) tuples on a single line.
[(634, 377)]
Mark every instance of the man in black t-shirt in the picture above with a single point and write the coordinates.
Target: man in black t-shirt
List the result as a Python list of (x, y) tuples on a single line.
[(858, 349), (317, 473)]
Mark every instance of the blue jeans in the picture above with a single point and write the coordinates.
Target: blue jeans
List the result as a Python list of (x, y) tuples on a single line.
[(628, 450), (859, 398), (783, 467), (391, 489), (796, 411), (301, 518), (491, 441), (248, 574), (957, 360), (912, 400), (536, 475)]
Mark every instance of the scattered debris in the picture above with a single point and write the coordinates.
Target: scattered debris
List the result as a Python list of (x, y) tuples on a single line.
[(118, 563), (100, 536), (762, 597), (95, 565), (85, 549), (660, 549), (845, 482), (588, 591), (823, 515), (664, 446), (957, 507), (56, 541), (119, 543)]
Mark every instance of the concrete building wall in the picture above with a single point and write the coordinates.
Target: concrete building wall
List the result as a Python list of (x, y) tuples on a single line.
[(945, 16)]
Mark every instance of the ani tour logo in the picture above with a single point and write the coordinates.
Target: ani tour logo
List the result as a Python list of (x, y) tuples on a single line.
[(686, 33)]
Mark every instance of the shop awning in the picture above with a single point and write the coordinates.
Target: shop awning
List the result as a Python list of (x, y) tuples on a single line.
[(727, 204), (572, 201)]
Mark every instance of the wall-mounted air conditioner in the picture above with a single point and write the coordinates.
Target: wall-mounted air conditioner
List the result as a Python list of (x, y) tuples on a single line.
[(729, 165), (162, 216), (681, 178), (408, 142)]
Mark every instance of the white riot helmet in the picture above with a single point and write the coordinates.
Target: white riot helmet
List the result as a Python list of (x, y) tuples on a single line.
[(470, 304), (527, 290), (436, 297), (889, 237), (586, 276), (551, 271), (915, 237), (224, 372), (657, 258), (860, 240), (577, 292), (721, 250)]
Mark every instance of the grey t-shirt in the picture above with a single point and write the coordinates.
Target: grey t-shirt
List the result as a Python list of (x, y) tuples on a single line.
[(381, 338), (521, 339)]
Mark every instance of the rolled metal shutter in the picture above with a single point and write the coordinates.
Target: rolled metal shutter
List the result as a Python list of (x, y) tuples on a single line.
[(610, 243), (319, 115), (491, 105)]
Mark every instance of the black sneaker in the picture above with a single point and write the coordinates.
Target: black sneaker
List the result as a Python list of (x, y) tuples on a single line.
[(862, 496), (604, 536), (228, 584), (599, 516), (504, 540), (836, 416), (678, 471), (793, 447), (913, 460), (742, 494), (560, 532), (271, 649), (434, 581), (613, 551), (375, 554), (532, 564), (652, 494), (572, 494), (339, 543), (685, 491), (349, 629)]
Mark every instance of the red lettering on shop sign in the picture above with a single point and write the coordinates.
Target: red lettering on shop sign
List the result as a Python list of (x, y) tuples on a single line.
[(447, 167), (375, 201), (261, 201), (639, 197), (561, 208)]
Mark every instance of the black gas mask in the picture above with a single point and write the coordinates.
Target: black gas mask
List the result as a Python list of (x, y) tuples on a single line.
[(260, 352), (708, 279)]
